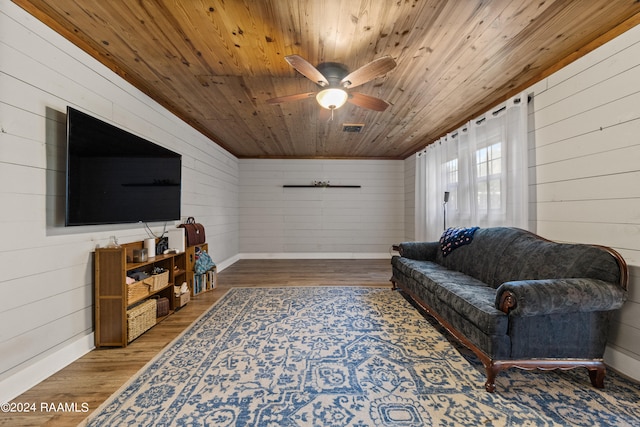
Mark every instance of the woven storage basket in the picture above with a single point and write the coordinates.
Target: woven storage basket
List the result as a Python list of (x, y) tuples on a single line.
[(183, 299), (141, 318), (137, 291), (162, 307), (157, 281)]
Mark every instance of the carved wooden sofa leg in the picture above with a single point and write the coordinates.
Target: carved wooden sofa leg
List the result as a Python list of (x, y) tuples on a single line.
[(597, 374), (492, 372)]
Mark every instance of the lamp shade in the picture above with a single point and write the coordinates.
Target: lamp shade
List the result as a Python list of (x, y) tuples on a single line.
[(332, 98)]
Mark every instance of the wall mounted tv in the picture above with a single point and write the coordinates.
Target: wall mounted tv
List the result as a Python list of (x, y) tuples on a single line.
[(116, 177)]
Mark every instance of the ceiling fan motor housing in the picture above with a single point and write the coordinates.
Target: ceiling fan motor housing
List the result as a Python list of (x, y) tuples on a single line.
[(334, 72)]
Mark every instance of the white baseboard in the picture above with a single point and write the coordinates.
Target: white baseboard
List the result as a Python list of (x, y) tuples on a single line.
[(33, 373), (622, 363), (227, 262), (314, 255)]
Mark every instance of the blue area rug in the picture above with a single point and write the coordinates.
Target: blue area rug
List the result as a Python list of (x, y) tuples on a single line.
[(320, 356)]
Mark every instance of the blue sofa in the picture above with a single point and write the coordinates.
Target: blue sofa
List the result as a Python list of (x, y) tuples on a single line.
[(516, 299)]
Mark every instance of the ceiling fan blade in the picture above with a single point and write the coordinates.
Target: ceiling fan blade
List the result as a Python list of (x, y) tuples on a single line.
[(289, 98), (366, 101), (307, 70), (376, 68)]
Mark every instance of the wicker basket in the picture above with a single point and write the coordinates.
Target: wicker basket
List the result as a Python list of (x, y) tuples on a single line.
[(141, 318), (136, 291), (163, 307), (183, 299), (157, 281)]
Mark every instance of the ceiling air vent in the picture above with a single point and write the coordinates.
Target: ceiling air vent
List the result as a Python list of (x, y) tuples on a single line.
[(352, 127)]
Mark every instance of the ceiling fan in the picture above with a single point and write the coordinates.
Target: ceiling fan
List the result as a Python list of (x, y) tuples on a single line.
[(335, 79)]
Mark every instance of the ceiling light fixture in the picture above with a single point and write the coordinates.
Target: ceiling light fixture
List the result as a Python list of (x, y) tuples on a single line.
[(332, 98)]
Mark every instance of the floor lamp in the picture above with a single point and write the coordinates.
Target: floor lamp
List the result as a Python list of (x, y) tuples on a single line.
[(444, 208)]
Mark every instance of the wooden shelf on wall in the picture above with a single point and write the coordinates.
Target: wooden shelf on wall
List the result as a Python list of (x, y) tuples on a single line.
[(322, 186)]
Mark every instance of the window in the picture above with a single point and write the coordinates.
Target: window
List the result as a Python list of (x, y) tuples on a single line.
[(488, 174), (483, 166), (451, 182), (451, 169)]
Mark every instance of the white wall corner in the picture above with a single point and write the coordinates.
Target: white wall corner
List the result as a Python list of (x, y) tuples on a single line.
[(622, 363)]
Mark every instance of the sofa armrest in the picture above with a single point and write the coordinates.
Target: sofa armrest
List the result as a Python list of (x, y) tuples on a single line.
[(419, 250), (539, 297)]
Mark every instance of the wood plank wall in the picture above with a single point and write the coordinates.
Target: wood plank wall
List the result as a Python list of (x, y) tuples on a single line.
[(46, 315), (410, 198), (585, 169), (586, 166), (320, 222)]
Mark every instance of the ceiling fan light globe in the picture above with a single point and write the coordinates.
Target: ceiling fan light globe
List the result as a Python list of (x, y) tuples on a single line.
[(332, 98)]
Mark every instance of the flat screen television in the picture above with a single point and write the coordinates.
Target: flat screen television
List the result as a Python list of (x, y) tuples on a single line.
[(116, 177)]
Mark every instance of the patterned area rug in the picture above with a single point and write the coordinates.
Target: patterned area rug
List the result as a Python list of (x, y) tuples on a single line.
[(329, 356), (567, 397)]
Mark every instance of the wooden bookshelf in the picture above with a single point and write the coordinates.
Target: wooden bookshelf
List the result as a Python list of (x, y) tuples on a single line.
[(112, 300)]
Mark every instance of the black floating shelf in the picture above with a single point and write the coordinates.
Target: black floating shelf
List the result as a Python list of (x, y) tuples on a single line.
[(322, 186)]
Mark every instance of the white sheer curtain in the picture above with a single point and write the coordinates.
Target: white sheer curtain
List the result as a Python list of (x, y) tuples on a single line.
[(483, 167), (420, 216)]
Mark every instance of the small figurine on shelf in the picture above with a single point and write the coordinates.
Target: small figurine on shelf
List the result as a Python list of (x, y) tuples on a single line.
[(113, 242)]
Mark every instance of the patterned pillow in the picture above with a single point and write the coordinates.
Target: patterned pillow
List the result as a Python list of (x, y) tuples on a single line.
[(455, 237)]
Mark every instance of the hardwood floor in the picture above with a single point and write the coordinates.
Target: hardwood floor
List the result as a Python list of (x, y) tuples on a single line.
[(90, 380)]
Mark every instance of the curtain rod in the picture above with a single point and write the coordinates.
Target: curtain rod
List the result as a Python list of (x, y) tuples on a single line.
[(454, 134)]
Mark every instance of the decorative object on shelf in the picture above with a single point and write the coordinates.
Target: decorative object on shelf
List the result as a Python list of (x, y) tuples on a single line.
[(150, 246), (113, 242), (320, 184), (194, 232), (140, 255), (162, 246)]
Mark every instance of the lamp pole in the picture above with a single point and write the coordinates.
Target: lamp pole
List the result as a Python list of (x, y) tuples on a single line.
[(444, 208)]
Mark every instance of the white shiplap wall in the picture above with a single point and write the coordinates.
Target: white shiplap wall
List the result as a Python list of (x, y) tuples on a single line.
[(409, 198), (586, 167), (320, 222), (46, 314)]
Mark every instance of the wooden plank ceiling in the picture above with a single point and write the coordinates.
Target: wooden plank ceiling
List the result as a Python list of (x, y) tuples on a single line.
[(214, 63)]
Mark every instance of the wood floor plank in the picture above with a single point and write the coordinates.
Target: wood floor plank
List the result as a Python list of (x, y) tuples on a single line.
[(94, 377)]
